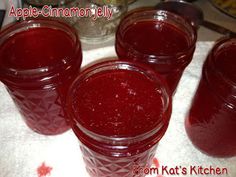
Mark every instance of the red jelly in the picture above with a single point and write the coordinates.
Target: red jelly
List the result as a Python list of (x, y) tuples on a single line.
[(38, 61), (162, 40), (211, 123), (119, 111)]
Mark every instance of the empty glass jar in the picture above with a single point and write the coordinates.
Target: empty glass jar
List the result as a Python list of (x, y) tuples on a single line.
[(100, 20), (41, 3)]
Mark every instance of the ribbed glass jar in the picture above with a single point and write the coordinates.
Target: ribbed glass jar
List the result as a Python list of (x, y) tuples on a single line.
[(38, 61), (163, 40), (211, 122), (119, 111)]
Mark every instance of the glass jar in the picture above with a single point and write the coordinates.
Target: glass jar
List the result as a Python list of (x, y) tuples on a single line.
[(164, 41), (119, 111), (211, 122), (38, 61), (131, 1), (41, 3), (94, 29)]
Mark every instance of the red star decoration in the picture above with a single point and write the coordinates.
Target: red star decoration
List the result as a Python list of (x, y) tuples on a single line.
[(156, 163), (44, 170)]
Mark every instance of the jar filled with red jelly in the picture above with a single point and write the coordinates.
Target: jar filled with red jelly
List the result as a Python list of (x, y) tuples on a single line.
[(161, 39), (39, 59), (119, 111), (211, 122)]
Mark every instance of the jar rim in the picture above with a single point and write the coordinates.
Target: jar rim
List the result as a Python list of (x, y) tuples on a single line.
[(17, 27), (124, 65), (156, 15), (220, 83)]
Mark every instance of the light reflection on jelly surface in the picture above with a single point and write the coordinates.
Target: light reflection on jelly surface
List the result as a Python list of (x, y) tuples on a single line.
[(161, 45), (36, 48), (121, 102)]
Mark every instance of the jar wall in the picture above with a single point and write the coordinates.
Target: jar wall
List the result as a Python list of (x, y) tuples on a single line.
[(98, 165), (211, 123)]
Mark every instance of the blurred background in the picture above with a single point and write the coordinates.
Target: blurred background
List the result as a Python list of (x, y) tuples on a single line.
[(221, 12)]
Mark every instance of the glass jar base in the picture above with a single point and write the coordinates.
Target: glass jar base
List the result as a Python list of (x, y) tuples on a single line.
[(98, 165)]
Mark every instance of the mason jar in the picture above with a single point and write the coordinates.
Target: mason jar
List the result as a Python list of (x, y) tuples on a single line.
[(41, 3), (211, 121), (38, 61), (91, 27), (119, 111), (160, 39)]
